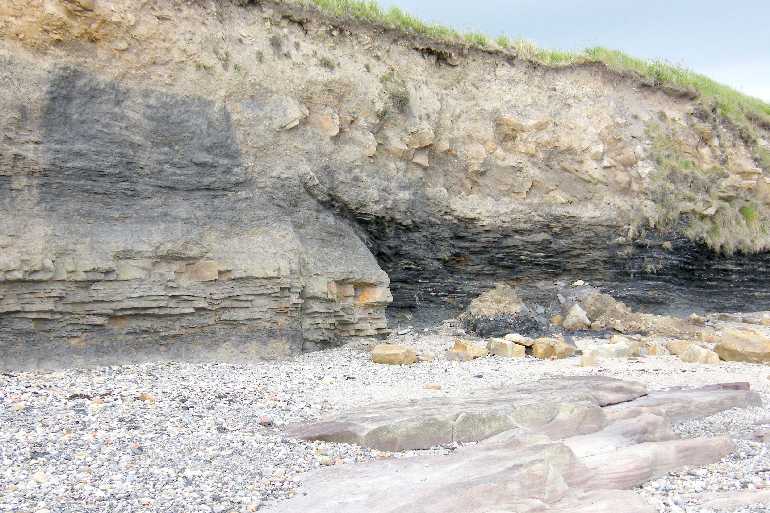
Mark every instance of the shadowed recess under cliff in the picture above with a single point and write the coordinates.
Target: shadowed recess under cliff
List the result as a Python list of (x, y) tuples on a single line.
[(436, 269)]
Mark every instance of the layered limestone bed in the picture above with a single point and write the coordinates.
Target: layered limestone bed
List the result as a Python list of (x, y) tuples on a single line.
[(238, 180), (569, 444)]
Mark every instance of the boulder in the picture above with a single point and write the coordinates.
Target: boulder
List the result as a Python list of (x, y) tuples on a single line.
[(500, 311), (678, 347), (551, 349), (618, 347), (393, 354), (562, 350), (502, 347), (542, 349), (519, 339), (653, 348), (501, 300), (698, 354), (743, 346), (576, 319), (464, 351)]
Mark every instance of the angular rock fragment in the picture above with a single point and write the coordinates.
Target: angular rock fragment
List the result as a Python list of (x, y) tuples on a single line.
[(620, 347), (678, 347), (518, 339), (464, 351), (393, 354), (551, 349), (697, 354), (502, 347), (743, 346), (589, 359), (576, 319)]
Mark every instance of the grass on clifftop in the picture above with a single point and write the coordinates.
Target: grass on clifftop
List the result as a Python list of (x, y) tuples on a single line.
[(743, 110)]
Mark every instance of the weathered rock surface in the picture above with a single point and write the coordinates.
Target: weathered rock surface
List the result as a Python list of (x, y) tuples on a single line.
[(680, 404), (618, 347), (393, 354), (551, 348), (584, 465), (678, 347), (180, 180), (576, 319), (743, 346), (544, 406), (697, 354), (502, 347), (464, 350)]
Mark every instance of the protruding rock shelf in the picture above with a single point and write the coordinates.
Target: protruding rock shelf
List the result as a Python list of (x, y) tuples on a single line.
[(565, 444)]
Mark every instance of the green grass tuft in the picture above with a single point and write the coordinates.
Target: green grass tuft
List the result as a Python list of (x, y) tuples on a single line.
[(742, 110), (762, 156), (750, 213)]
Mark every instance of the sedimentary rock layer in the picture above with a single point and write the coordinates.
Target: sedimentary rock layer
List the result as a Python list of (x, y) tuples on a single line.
[(255, 179), (567, 444)]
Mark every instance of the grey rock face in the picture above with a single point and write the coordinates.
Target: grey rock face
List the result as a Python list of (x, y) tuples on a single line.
[(172, 191), (140, 233)]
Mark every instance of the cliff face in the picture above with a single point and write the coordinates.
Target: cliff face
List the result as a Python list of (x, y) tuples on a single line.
[(208, 179)]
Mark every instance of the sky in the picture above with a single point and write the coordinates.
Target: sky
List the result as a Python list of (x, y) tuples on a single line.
[(728, 41)]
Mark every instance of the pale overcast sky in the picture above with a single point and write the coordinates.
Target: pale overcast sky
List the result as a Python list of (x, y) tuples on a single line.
[(728, 41)]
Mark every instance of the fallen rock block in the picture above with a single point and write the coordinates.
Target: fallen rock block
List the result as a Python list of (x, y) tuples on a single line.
[(697, 354), (653, 348), (393, 354), (551, 349), (519, 339), (464, 351), (678, 347), (743, 346), (506, 348), (622, 348), (576, 319)]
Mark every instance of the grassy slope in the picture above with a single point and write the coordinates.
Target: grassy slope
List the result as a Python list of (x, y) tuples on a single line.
[(743, 110)]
